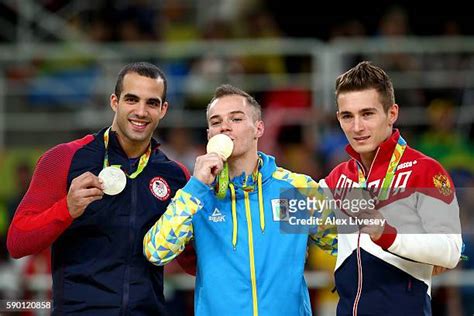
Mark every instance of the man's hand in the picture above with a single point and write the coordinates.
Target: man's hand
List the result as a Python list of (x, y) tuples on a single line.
[(438, 270), (369, 218), (376, 229), (84, 190), (207, 167)]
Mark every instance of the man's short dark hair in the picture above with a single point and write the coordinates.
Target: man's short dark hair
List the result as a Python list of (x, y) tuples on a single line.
[(227, 89), (367, 76), (143, 69)]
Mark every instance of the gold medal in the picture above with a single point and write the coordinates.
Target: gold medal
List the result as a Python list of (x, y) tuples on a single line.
[(220, 144), (223, 146)]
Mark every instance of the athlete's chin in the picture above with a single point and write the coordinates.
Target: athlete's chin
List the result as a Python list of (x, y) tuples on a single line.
[(363, 148), (236, 154), (139, 137)]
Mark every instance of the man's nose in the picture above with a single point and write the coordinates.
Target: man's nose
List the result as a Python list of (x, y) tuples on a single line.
[(358, 124), (225, 126), (141, 109)]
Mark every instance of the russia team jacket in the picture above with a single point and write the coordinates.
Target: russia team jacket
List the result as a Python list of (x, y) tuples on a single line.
[(246, 263), (97, 258), (393, 275)]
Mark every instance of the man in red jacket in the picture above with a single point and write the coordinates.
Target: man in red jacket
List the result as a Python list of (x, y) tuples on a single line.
[(384, 266)]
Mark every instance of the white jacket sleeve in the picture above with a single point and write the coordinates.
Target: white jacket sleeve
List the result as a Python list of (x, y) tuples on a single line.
[(438, 240)]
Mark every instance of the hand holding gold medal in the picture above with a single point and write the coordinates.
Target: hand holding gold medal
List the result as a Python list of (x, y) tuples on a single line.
[(223, 146)]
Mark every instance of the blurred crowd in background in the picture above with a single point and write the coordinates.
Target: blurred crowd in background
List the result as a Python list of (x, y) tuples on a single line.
[(301, 129)]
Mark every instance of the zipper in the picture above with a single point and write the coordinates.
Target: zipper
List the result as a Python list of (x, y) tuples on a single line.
[(253, 277), (367, 174), (131, 239), (359, 260), (359, 279)]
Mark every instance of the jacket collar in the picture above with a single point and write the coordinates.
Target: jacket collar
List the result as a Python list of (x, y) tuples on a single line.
[(266, 167)]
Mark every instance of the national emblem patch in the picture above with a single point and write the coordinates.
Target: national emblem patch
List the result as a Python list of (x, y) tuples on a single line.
[(442, 183)]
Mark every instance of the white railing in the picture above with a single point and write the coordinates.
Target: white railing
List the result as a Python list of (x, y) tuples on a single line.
[(326, 61)]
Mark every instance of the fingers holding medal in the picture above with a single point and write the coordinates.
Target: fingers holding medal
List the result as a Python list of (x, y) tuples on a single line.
[(207, 166), (84, 190)]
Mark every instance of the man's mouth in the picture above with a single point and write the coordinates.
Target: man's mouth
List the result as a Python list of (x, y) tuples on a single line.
[(361, 138), (138, 124)]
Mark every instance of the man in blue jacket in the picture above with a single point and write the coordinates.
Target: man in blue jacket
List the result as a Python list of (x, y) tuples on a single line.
[(96, 227), (247, 263)]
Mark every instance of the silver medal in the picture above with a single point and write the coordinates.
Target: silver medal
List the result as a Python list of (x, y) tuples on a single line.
[(114, 180)]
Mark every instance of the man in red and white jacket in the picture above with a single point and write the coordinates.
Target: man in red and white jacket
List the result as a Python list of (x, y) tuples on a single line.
[(384, 267)]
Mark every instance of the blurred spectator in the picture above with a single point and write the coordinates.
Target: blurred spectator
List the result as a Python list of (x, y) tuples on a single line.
[(179, 146), (394, 23), (141, 15), (129, 31), (456, 153), (284, 125), (443, 142), (217, 29), (177, 70), (351, 28), (331, 146), (64, 82), (298, 156), (291, 97), (261, 25), (177, 22), (99, 31), (212, 69), (207, 73), (393, 26)]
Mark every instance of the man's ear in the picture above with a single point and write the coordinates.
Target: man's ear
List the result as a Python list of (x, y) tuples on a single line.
[(260, 129), (114, 100), (393, 113), (164, 109)]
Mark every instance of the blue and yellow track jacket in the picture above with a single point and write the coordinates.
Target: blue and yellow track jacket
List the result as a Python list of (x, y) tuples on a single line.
[(246, 263)]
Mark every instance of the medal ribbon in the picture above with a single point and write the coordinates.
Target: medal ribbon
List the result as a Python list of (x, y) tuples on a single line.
[(141, 164), (223, 180), (392, 167)]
